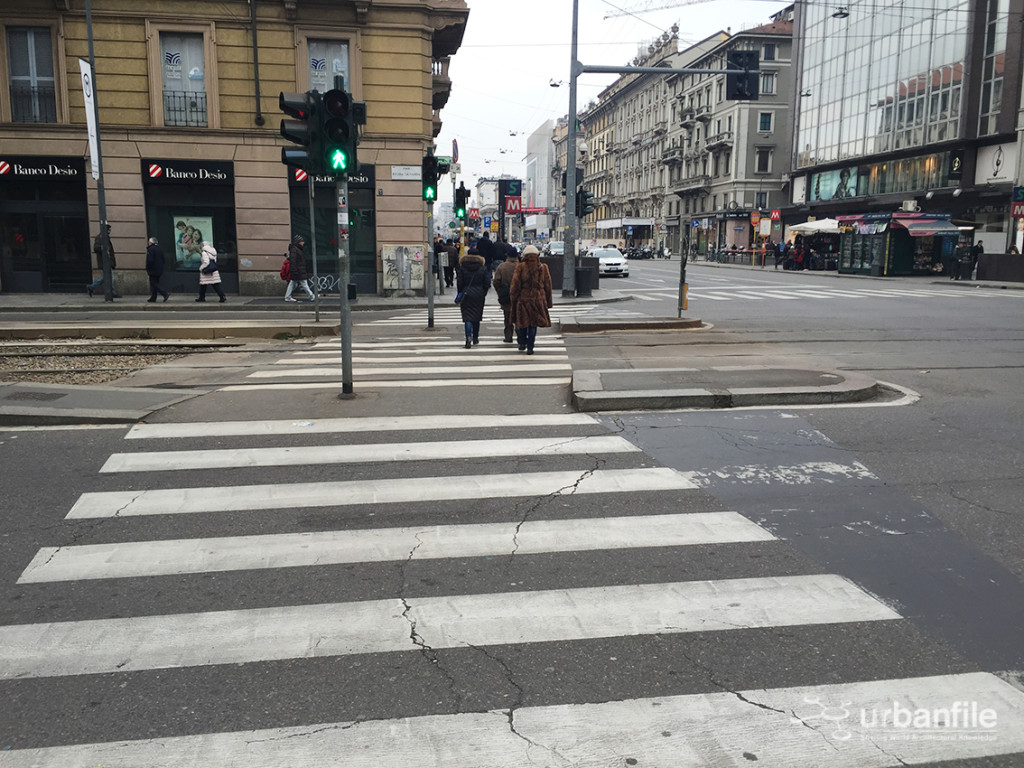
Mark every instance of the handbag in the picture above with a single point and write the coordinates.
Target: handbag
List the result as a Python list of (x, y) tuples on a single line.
[(210, 268), (460, 294), (458, 297)]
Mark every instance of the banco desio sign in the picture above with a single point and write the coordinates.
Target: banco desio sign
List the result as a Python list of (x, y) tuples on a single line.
[(187, 172), (26, 168), (365, 179)]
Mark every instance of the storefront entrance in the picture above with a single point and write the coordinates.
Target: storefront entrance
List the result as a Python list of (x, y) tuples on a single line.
[(45, 243)]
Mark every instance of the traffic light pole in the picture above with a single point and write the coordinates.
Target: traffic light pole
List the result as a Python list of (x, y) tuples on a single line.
[(312, 241), (101, 199), (343, 278), (428, 263), (569, 253)]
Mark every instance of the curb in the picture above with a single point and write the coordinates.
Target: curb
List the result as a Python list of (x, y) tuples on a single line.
[(589, 393), (574, 325)]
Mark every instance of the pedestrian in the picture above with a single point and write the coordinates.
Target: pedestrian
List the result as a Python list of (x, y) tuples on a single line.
[(780, 253), (297, 275), (976, 253), (212, 277), (155, 268), (452, 263), (1012, 250), (503, 287), (472, 283), (531, 298), (97, 248), (488, 251)]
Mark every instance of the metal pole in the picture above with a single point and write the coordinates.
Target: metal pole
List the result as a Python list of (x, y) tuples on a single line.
[(312, 240), (343, 277), (569, 257), (428, 276), (101, 199)]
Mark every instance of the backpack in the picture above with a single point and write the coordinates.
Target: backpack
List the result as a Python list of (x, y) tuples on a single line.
[(285, 270)]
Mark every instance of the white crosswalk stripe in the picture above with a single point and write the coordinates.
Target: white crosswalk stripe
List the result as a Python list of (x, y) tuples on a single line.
[(599, 501), (715, 293)]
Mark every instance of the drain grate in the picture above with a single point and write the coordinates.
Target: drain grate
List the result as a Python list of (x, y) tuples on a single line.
[(35, 396)]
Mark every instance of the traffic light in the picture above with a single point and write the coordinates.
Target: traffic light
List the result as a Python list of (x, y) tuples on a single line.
[(304, 130), (340, 134), (579, 176), (742, 86), (584, 202), (429, 176), (461, 199)]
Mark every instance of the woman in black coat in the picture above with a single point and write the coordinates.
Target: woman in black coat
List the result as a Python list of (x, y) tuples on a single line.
[(472, 283)]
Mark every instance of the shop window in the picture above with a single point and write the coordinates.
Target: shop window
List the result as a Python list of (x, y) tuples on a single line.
[(30, 69), (186, 86)]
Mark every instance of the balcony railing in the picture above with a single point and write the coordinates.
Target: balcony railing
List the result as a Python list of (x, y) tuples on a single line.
[(692, 185), (704, 114), (33, 104), (688, 117), (723, 139), (672, 155), (185, 108)]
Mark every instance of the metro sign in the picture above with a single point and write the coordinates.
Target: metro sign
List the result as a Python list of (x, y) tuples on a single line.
[(474, 213), (776, 215), (513, 205)]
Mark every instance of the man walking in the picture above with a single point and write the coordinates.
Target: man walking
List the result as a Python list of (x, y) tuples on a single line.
[(97, 248), (155, 268), (502, 286), (297, 274)]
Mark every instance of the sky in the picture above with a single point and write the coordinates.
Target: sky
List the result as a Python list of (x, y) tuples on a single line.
[(512, 51)]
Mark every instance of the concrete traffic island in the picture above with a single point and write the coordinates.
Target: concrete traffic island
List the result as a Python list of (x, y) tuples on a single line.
[(598, 324), (716, 387)]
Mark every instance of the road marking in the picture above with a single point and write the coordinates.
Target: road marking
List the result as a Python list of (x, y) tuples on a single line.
[(177, 501), (101, 646), (807, 473), (291, 550), (439, 355), (713, 297), (303, 455), (514, 367), (354, 424), (838, 724), (416, 383)]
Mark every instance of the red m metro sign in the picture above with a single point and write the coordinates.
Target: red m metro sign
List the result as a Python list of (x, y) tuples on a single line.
[(513, 205)]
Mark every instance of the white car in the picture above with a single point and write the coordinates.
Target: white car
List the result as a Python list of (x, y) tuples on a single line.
[(612, 262)]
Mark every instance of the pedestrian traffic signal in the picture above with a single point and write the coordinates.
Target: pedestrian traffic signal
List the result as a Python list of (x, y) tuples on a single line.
[(429, 176), (461, 200), (742, 86), (584, 202), (340, 134), (304, 129)]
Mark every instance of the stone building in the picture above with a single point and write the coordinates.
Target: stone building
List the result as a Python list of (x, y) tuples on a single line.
[(188, 111)]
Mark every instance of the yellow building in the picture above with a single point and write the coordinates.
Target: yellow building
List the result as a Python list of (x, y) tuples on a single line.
[(187, 93)]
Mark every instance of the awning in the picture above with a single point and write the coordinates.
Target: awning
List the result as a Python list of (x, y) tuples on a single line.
[(927, 227)]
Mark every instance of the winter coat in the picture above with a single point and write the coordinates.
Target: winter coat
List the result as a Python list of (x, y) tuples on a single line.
[(531, 293), (209, 254), (154, 261), (97, 248), (488, 251), (472, 282), (503, 280), (296, 263)]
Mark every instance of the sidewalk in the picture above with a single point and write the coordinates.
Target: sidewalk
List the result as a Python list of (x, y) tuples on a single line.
[(27, 404)]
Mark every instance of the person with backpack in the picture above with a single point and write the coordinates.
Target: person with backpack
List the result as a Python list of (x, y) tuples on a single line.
[(297, 275), (502, 286)]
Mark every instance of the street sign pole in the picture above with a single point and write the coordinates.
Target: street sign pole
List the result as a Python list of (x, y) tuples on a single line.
[(101, 199), (312, 240), (569, 257)]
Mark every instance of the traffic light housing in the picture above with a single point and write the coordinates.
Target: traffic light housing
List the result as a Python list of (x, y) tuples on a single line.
[(461, 200), (584, 202), (304, 129), (340, 133), (429, 176), (742, 86)]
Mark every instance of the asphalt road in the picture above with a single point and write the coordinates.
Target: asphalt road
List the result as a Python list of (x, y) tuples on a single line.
[(873, 560)]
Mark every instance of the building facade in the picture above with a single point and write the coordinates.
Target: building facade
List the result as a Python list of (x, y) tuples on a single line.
[(187, 99), (914, 109)]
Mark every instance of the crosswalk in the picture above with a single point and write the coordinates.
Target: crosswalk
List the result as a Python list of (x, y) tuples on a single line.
[(758, 293), (520, 590)]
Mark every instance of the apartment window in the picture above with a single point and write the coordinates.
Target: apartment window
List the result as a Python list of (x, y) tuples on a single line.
[(768, 83), (328, 58), (184, 79), (762, 200), (768, 54), (763, 160), (30, 64), (764, 122)]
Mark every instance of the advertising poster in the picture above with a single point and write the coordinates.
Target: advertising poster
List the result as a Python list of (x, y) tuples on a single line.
[(835, 185), (189, 233)]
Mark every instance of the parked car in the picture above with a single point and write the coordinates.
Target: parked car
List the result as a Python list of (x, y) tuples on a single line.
[(611, 262), (555, 248)]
